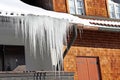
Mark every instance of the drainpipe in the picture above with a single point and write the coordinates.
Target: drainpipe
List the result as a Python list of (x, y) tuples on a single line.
[(71, 41), (69, 44)]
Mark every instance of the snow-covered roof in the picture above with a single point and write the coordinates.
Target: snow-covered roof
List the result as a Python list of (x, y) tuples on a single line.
[(19, 8)]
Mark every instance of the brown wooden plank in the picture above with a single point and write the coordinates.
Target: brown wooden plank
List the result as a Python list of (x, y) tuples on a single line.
[(93, 68), (82, 68), (60, 5), (96, 8)]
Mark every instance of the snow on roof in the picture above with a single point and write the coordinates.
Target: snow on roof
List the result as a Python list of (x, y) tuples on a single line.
[(19, 8)]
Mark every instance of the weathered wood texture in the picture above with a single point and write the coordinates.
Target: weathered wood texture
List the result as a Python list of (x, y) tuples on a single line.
[(96, 8), (105, 45), (60, 6)]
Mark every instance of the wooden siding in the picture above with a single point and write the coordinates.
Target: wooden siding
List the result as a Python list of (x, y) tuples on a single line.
[(105, 45), (60, 5), (96, 8)]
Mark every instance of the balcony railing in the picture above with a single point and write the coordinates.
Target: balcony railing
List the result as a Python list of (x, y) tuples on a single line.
[(40, 75)]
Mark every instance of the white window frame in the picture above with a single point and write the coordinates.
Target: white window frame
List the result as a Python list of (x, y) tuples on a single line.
[(115, 9), (76, 7)]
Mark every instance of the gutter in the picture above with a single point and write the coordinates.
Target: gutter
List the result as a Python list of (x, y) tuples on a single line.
[(100, 28), (109, 29), (71, 41)]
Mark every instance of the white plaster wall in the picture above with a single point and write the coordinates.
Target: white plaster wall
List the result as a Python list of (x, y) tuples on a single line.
[(7, 37)]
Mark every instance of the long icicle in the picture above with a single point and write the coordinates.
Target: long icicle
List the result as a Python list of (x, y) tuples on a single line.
[(50, 33)]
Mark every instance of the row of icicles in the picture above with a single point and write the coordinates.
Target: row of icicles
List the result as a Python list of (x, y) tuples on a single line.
[(50, 34)]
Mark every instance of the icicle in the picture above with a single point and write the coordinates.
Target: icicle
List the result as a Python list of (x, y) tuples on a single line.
[(50, 33), (81, 32)]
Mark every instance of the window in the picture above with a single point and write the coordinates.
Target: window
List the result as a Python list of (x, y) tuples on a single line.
[(114, 9), (76, 7)]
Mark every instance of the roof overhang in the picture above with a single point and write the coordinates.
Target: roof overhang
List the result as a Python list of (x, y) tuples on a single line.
[(100, 23), (16, 8)]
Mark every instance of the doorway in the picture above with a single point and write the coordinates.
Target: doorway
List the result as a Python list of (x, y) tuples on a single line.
[(11, 57), (88, 68)]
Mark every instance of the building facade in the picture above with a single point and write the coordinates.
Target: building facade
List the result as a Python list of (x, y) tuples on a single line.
[(100, 8), (95, 54)]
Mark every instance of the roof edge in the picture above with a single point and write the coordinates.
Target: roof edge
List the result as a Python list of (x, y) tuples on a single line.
[(97, 18)]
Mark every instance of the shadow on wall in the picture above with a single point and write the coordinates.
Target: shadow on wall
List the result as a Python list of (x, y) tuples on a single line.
[(11, 57), (34, 2), (98, 39), (45, 4)]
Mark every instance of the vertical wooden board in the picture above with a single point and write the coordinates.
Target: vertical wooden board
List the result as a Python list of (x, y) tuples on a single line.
[(60, 5), (96, 8), (88, 7), (93, 68), (82, 68)]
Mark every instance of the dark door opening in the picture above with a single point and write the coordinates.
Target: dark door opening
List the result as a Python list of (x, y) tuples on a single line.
[(88, 68), (11, 57)]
